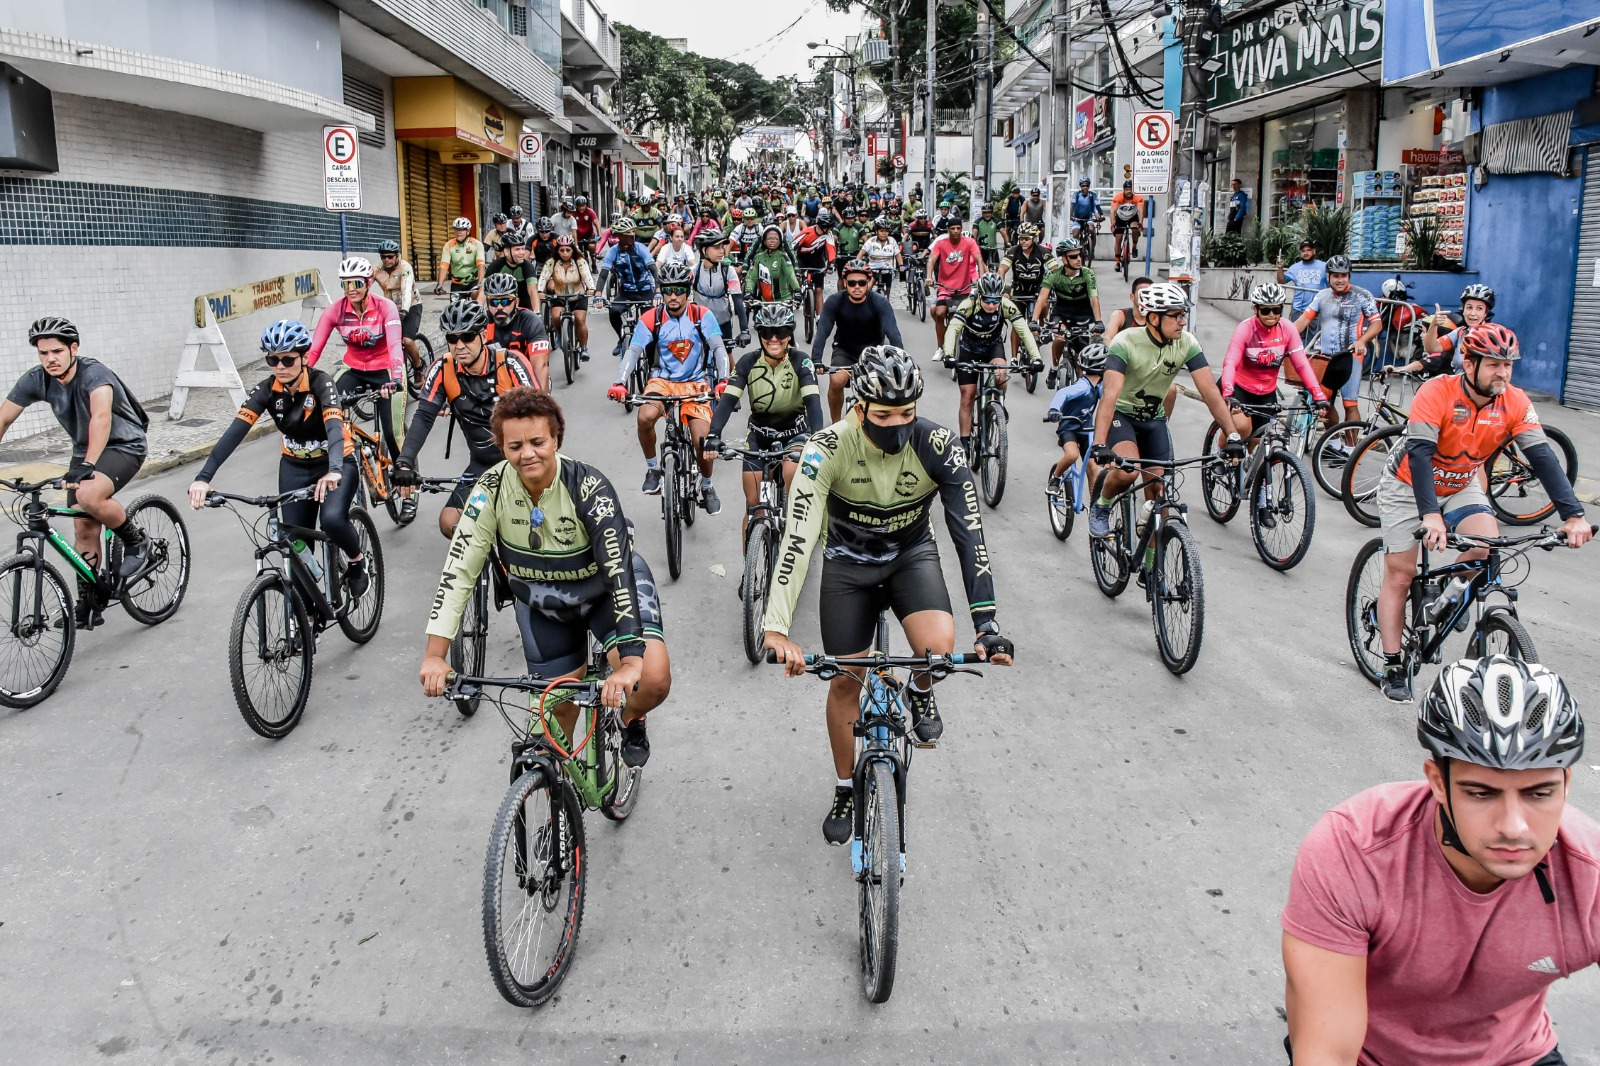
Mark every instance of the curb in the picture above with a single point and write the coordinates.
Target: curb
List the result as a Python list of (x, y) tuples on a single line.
[(161, 464)]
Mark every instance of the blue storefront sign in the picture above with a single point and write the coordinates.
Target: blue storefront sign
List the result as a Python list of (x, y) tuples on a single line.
[(1425, 35)]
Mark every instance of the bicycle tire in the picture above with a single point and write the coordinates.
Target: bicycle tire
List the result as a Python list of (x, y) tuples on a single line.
[(1361, 610), (1327, 462), (810, 312), (1282, 468), (53, 607), (1030, 380), (992, 463), (1178, 557), (1499, 620), (1359, 486), (556, 845), (1510, 477), (1063, 508), (757, 571), (688, 497), (469, 652), (671, 513), (359, 620), (625, 795), (1086, 240), (880, 880), (1107, 555), (569, 346), (169, 555), (415, 373), (922, 305), (1217, 481), (296, 642)]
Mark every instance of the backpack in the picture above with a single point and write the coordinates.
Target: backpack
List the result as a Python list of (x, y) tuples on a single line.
[(504, 378), (652, 321)]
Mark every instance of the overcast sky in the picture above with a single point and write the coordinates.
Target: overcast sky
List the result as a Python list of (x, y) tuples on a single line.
[(727, 29)]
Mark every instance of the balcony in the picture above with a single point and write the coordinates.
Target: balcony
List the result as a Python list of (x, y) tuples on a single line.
[(591, 47)]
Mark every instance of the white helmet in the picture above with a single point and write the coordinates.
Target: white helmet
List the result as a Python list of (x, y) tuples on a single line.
[(355, 267), (1392, 286), (461, 223), (1269, 294), (1162, 297)]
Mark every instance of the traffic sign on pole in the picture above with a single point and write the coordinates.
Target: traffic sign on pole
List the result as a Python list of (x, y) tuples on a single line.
[(1152, 151), (530, 157), (341, 168), (899, 162)]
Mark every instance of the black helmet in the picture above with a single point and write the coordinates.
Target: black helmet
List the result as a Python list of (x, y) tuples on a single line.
[(1501, 713), (887, 375), (516, 211), (464, 316), (1478, 292), (773, 316), (499, 218), (710, 237), (499, 284), (53, 326)]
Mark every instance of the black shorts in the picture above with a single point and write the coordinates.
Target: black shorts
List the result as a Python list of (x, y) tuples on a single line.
[(1256, 399), (843, 358), (458, 498), (411, 323), (1340, 367), (119, 466), (553, 645), (996, 350), (854, 593), (766, 437), (1073, 433), (1070, 316), (1150, 436)]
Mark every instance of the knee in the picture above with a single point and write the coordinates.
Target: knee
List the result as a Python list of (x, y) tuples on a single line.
[(447, 522), (654, 687)]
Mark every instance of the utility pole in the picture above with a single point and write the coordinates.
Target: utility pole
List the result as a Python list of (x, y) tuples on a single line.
[(1058, 149), (929, 189), (897, 138), (983, 103)]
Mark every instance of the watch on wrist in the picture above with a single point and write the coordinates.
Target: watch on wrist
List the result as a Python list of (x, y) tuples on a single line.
[(1232, 437), (989, 628)]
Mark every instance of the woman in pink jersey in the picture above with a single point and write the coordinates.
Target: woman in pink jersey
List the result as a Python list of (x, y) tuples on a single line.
[(369, 324), (1256, 354)]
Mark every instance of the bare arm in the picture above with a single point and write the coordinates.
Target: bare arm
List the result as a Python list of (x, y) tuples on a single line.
[(1430, 336), (9, 413), (1110, 389), (1325, 994)]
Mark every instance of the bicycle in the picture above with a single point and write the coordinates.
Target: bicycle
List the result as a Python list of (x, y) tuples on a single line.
[(916, 273), (883, 762), (812, 278), (567, 332), (680, 473), (287, 606), (37, 642), (1162, 550), (373, 463), (1127, 246), (1078, 336), (632, 310), (1087, 230), (1331, 453), (535, 870), (991, 439), (1275, 482), (761, 540), (469, 651), (1442, 600), (1065, 497), (417, 369)]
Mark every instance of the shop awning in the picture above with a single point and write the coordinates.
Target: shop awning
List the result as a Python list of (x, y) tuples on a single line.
[(1454, 43), (455, 120), (1303, 94), (589, 123)]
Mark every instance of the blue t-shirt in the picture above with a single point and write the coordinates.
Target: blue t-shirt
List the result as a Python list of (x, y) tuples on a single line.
[(632, 271), (1308, 279), (680, 353), (1076, 403), (1085, 205)]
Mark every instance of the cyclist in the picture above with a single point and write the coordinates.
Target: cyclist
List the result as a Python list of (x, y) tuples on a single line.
[(305, 406), (1257, 351), (1023, 268), (815, 250), (635, 271), (398, 283), (866, 490), (517, 328), (369, 325), (686, 359), (1086, 212), (567, 280), (494, 240), (1141, 366), (108, 431), (563, 222), (1350, 321), (919, 231), (746, 236), (1413, 932), (672, 244), (978, 326), (857, 318), (647, 218), (769, 269), (586, 229), (883, 255), (848, 237), (1456, 424), (558, 525), (1477, 307), (1127, 216), (543, 248), (987, 233), (954, 263), (716, 287), (1076, 301), (469, 377), (784, 406), (1072, 410), (1128, 317), (516, 265), (461, 260)]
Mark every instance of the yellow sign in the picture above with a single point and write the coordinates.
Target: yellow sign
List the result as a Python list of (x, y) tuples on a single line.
[(453, 119), (254, 296)]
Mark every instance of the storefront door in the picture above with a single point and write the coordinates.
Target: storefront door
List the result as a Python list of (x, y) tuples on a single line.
[(433, 200), (1583, 346)]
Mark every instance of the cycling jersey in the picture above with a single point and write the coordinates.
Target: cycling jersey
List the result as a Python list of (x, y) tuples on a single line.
[(1342, 317), (1255, 354), (744, 238), (523, 333), (399, 285), (1025, 270), (1071, 292), (1464, 434), (813, 246), (472, 403), (632, 270), (1149, 370), (956, 266), (463, 258), (685, 350), (1126, 198), (566, 553), (975, 330), (586, 223), (778, 393), (646, 223), (875, 507), (854, 326), (987, 232), (848, 239), (880, 255), (782, 283), (713, 287), (568, 278), (371, 336), (1085, 205), (69, 402), (526, 275), (1076, 404), (305, 412), (921, 234)]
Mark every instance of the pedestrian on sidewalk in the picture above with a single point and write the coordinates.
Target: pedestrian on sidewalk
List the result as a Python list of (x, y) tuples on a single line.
[(1238, 207)]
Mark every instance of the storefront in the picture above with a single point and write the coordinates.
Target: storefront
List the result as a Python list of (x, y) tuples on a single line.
[(1094, 141)]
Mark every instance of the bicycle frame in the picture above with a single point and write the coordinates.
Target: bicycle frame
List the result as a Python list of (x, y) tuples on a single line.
[(1484, 582), (36, 517)]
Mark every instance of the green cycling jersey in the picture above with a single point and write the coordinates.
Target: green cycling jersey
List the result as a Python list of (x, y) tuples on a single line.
[(975, 331), (1149, 369), (1071, 291), (780, 271), (778, 394)]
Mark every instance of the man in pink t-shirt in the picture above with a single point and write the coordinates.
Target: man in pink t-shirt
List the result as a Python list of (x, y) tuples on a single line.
[(953, 264), (1413, 933)]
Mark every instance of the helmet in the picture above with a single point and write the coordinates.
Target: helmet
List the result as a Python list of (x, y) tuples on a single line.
[(1268, 295), (290, 335), (710, 237), (773, 316), (1127, 212), (674, 219), (824, 220), (1092, 360), (567, 205), (355, 267), (499, 284), (921, 212), (623, 225), (518, 212), (849, 212), (1478, 292), (887, 375), (461, 223), (581, 201), (1083, 181), (1501, 713), (53, 326), (1127, 183), (1068, 244), (880, 223), (1393, 286), (566, 241), (675, 273), (498, 218), (465, 316), (1490, 341), (737, 214), (1162, 297), (545, 225), (990, 286), (388, 247), (1027, 231), (1338, 264), (856, 266)]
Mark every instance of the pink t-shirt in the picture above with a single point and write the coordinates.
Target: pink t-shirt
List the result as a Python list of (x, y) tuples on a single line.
[(1454, 978), (1255, 354), (955, 265)]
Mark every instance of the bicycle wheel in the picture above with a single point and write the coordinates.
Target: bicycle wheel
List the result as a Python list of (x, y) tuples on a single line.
[(469, 652), (1087, 241), (36, 648), (992, 463), (922, 305), (1030, 380), (1331, 454), (809, 311), (671, 513), (880, 882), (1062, 506), (757, 569), (1108, 555), (1178, 605), (1361, 610), (569, 346), (1283, 512), (1499, 633), (620, 803), (384, 471), (270, 650), (688, 498), (359, 619), (1515, 493), (1362, 474), (154, 597), (1218, 481), (415, 372), (533, 881)]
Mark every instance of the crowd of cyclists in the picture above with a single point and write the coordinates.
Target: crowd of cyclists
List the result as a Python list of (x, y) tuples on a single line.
[(1412, 931)]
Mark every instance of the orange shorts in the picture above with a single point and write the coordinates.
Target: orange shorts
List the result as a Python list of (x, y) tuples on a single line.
[(662, 387)]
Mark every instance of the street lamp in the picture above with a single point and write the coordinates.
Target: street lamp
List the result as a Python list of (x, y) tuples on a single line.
[(855, 111)]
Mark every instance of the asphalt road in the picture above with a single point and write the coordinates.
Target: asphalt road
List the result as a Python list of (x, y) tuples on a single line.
[(1098, 851)]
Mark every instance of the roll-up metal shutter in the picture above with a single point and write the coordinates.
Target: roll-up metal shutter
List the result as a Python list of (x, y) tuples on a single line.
[(1583, 340), (433, 199)]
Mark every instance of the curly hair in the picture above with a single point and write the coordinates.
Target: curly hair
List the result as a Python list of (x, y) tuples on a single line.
[(527, 402)]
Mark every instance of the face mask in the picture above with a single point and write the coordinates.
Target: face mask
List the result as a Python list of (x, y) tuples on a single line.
[(889, 439)]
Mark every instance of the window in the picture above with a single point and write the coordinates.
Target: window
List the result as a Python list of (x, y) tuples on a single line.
[(1302, 158), (519, 20), (364, 96)]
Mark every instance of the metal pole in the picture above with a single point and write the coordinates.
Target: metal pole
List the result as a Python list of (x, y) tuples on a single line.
[(897, 140), (344, 236), (930, 191)]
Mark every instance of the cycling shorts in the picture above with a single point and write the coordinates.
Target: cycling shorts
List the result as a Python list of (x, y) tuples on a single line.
[(993, 349), (946, 297), (411, 323), (1256, 399), (1398, 516), (1342, 376), (1150, 435), (1072, 316), (458, 498), (553, 645), (118, 466), (817, 260), (844, 358), (769, 436), (1069, 432), (853, 593)]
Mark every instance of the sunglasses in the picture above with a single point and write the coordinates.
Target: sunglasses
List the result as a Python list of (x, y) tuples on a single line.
[(1270, 310), (1073, 255), (388, 255), (857, 283), (989, 301), (674, 290), (502, 301), (283, 360), (354, 283), (768, 333), (460, 338)]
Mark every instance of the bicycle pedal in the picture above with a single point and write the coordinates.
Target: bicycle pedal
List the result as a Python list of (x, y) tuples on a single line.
[(917, 742)]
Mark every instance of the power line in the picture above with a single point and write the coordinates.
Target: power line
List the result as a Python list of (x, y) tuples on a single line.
[(773, 40)]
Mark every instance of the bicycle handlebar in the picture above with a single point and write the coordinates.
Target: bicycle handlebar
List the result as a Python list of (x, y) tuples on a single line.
[(1126, 462), (217, 499), (826, 666), (23, 488), (443, 484), (733, 451), (467, 686), (1544, 538), (656, 397)]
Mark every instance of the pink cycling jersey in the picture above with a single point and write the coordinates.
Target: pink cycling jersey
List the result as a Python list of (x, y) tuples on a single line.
[(372, 338), (955, 266), (1256, 353)]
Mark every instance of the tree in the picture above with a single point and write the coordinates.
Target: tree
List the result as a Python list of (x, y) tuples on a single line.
[(955, 44)]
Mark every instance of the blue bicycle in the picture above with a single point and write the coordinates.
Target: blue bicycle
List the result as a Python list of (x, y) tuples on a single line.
[(1064, 496)]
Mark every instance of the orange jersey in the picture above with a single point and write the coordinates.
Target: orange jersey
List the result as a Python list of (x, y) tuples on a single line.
[(1466, 434)]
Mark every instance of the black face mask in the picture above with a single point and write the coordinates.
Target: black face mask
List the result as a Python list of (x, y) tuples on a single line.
[(889, 439)]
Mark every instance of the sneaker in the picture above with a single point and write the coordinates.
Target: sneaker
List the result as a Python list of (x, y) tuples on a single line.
[(709, 499), (134, 558), (1099, 520), (1339, 448), (408, 509), (617, 351), (652, 482), (583, 354), (840, 824), (1265, 513), (1050, 378), (967, 450), (356, 579), (1397, 683), (926, 725), (635, 744), (1053, 488), (86, 614)]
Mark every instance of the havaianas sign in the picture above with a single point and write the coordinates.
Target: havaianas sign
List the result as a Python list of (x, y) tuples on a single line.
[(1293, 43)]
